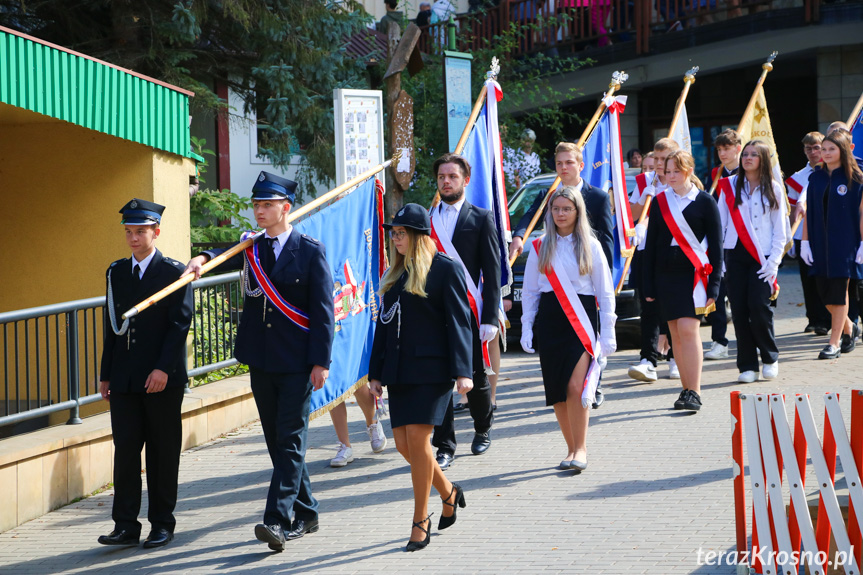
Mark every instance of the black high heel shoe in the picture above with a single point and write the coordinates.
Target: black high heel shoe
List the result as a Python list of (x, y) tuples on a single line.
[(459, 500), (417, 545)]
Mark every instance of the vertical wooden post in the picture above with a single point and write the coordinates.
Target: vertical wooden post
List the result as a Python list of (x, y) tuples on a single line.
[(393, 85)]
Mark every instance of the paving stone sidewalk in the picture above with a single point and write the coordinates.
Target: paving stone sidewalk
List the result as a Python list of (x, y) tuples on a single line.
[(658, 488)]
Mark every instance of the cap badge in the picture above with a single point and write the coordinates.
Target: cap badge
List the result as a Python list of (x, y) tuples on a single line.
[(262, 177), (133, 204), (401, 212)]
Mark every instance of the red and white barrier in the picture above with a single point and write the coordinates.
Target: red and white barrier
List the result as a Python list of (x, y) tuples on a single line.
[(760, 420)]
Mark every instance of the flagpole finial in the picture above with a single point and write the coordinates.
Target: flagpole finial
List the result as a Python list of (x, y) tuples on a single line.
[(768, 65), (689, 77), (396, 156), (494, 70), (617, 79)]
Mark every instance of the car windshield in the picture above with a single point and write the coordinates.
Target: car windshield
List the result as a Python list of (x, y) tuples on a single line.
[(525, 198)]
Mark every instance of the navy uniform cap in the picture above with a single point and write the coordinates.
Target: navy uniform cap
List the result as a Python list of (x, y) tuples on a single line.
[(272, 187), (141, 213), (412, 216)]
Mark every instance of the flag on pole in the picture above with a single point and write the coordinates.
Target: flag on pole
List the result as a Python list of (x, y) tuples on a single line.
[(352, 232), (857, 135), (757, 127), (603, 168), (681, 131), (486, 188)]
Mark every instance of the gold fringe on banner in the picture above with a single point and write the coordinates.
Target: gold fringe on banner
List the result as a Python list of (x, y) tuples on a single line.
[(627, 253), (329, 407), (705, 310), (631, 232)]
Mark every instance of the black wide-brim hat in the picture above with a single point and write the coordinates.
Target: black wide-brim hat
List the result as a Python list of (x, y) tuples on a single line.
[(412, 216)]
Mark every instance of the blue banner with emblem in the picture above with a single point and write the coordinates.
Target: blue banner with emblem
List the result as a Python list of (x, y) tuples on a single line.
[(351, 231)]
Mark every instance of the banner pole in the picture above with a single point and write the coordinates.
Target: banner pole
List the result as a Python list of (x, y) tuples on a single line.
[(688, 80), (223, 257), (617, 79), (855, 113)]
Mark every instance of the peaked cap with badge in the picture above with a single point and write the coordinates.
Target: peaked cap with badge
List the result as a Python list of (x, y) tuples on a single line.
[(272, 187)]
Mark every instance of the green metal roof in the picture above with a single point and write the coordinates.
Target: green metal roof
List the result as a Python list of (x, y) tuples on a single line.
[(51, 80)]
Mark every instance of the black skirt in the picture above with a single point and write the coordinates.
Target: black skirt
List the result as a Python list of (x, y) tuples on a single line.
[(418, 404), (558, 345), (674, 280)]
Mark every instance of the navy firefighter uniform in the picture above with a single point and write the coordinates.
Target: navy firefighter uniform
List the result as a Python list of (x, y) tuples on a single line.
[(154, 340), (281, 354)]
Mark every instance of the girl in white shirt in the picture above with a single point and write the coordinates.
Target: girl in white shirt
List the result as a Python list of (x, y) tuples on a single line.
[(570, 245), (757, 202)]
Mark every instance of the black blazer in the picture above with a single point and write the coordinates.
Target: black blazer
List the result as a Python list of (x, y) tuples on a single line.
[(475, 238), (434, 344), (157, 337), (599, 215), (660, 256), (272, 342)]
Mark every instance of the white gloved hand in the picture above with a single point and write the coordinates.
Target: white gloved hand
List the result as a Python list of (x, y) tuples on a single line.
[(608, 345), (768, 272), (603, 361), (527, 339), (859, 258), (806, 252), (487, 332), (649, 191), (246, 235), (640, 234)]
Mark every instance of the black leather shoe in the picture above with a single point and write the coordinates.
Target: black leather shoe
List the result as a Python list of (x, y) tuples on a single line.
[(459, 406), (599, 400), (272, 535), (849, 342), (301, 527), (821, 330), (120, 537), (458, 501), (681, 399), (829, 352), (481, 443), (417, 545), (444, 459), (158, 538)]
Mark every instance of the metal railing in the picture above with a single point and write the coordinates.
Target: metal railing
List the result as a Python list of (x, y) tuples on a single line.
[(51, 354)]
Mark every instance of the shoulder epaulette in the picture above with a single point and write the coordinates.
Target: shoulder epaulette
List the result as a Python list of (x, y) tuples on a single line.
[(174, 263), (445, 256), (310, 239)]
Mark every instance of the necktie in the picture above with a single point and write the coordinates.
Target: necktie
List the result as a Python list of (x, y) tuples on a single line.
[(136, 273), (270, 260)]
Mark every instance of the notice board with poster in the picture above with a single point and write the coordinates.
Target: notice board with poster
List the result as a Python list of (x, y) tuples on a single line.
[(457, 96), (359, 128)]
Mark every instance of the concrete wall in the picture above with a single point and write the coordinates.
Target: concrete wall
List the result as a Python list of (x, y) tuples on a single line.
[(840, 82)]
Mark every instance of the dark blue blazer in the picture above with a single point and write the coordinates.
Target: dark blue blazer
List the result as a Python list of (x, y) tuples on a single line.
[(475, 239), (599, 216), (157, 337), (435, 341), (270, 341), (833, 224)]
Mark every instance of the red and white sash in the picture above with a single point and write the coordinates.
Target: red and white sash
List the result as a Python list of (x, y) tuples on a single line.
[(688, 242), (641, 182), (743, 223), (797, 185), (578, 319), (294, 314), (474, 296)]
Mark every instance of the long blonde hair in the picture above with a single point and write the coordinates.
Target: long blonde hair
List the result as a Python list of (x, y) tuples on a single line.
[(417, 261), (686, 163), (581, 234)]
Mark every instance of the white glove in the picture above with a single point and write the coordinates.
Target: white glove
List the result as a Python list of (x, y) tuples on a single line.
[(768, 272), (608, 345), (487, 332), (603, 361), (640, 234), (527, 339), (650, 191), (859, 258), (806, 252)]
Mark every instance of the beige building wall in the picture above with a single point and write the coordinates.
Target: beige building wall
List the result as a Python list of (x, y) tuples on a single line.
[(840, 82)]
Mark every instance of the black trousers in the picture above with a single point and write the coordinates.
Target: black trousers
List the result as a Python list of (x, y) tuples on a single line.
[(151, 419), (718, 319), (283, 401), (651, 324), (479, 404), (751, 311), (816, 313)]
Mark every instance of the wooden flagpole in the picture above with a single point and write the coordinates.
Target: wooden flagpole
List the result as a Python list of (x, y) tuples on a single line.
[(617, 79), (688, 81), (292, 216)]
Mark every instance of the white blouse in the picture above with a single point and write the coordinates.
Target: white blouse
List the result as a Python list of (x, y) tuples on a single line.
[(598, 283), (768, 225)]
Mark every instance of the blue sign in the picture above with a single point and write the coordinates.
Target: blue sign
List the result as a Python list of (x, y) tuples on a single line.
[(458, 99)]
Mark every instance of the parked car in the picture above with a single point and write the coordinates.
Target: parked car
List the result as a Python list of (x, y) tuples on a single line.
[(628, 310)]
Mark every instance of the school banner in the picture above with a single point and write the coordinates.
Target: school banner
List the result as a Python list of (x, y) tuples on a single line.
[(351, 231), (757, 127)]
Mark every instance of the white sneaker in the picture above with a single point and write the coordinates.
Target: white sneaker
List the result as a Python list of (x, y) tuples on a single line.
[(377, 437), (748, 377), (673, 372), (343, 457), (770, 370), (716, 351), (643, 371)]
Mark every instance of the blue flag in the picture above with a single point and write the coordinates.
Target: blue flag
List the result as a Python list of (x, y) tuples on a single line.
[(857, 135), (351, 231)]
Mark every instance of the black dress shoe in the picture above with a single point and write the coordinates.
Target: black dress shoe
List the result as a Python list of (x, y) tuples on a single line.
[(459, 406), (600, 399), (301, 527), (417, 545), (481, 443), (444, 459), (158, 538), (459, 501), (691, 401), (272, 535), (120, 537), (821, 330), (829, 352), (681, 399), (809, 328), (849, 342)]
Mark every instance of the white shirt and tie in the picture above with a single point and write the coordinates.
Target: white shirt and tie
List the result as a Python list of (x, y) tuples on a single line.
[(142, 265), (449, 215)]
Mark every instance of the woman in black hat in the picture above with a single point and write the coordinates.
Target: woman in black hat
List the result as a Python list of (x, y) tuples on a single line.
[(422, 343)]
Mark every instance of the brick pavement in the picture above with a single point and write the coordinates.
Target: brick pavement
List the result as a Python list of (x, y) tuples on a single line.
[(657, 490)]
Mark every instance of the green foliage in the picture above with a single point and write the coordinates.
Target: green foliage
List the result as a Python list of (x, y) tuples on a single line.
[(216, 316)]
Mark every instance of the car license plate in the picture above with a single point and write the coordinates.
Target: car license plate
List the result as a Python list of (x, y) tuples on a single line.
[(516, 295)]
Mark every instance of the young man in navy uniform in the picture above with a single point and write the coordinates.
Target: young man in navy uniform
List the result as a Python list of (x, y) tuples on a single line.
[(285, 337), (143, 375), (472, 233)]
